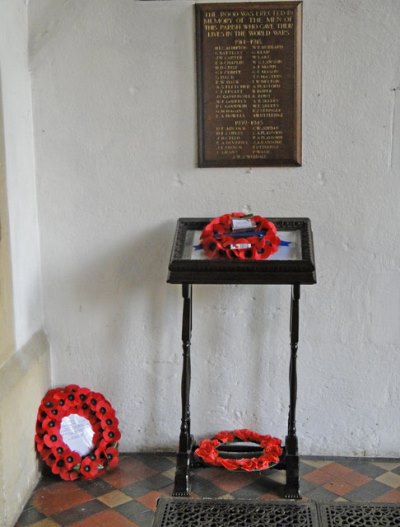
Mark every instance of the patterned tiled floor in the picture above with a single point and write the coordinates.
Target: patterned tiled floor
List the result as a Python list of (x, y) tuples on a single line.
[(126, 497)]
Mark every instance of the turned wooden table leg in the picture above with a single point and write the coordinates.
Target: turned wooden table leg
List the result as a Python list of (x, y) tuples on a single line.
[(182, 476), (292, 457)]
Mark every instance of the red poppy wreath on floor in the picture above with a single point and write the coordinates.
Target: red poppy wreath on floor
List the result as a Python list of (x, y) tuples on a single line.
[(250, 238), (272, 450), (77, 432)]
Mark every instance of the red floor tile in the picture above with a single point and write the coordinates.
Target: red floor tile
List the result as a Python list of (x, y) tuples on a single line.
[(392, 496), (129, 470), (149, 500), (319, 477), (355, 479), (338, 487), (108, 518), (339, 471), (231, 481), (212, 473), (59, 497)]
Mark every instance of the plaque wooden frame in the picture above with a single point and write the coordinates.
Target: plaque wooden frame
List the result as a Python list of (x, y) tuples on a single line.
[(288, 127)]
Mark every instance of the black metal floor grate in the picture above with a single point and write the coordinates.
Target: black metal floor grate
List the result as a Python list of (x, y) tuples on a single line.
[(185, 512), (359, 515)]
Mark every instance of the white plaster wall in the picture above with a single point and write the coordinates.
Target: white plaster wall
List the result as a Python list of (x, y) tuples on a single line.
[(24, 379), (24, 352), (114, 113), (20, 169)]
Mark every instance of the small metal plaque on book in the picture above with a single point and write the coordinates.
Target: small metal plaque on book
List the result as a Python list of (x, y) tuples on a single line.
[(249, 84)]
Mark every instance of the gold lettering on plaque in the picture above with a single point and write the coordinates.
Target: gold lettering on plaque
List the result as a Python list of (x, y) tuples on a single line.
[(248, 92)]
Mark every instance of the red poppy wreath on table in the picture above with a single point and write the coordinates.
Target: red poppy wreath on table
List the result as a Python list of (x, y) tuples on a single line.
[(238, 235), (271, 450), (77, 432)]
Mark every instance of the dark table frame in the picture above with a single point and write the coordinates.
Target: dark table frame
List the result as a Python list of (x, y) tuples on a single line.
[(187, 271)]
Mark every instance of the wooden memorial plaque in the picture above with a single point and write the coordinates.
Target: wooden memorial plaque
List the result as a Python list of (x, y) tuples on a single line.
[(249, 84)]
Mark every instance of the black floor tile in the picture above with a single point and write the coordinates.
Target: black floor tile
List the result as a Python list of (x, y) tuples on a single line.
[(95, 487), (79, 513), (157, 462), (136, 512), (29, 516), (157, 482), (368, 492)]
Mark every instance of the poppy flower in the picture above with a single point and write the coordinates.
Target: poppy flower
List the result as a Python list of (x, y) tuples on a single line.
[(212, 247), (97, 437), (71, 460), (52, 440), (50, 460), (93, 398), (60, 401), (70, 475), (111, 455), (109, 421), (103, 407), (58, 466), (225, 437), (39, 429), (229, 464), (82, 394), (49, 424), (39, 443), (72, 388), (102, 446), (112, 434), (85, 411), (59, 451), (71, 399), (89, 468), (45, 453), (52, 411)]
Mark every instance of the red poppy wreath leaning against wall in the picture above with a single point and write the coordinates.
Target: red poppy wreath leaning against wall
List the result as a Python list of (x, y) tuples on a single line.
[(271, 446), (77, 432)]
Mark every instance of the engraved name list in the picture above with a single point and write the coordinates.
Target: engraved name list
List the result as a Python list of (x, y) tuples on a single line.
[(248, 64)]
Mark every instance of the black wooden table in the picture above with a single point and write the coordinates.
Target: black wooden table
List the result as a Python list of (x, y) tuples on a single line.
[(293, 265)]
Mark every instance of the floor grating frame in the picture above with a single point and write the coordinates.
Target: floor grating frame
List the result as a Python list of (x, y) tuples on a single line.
[(359, 515), (186, 512)]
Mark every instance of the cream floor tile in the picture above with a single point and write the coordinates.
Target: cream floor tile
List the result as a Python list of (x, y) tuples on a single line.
[(114, 498), (47, 522), (386, 465), (277, 475), (318, 463), (390, 479), (170, 473)]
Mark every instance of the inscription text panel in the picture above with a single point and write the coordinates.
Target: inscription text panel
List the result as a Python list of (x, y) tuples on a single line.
[(249, 84)]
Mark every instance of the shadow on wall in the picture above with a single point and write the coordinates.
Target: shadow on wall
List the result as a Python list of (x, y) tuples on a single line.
[(244, 384), (119, 332)]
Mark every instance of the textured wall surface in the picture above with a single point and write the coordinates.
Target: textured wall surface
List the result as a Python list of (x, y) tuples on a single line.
[(20, 174), (24, 353), (24, 379), (114, 114)]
